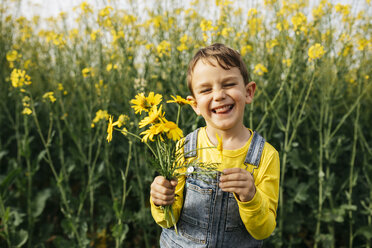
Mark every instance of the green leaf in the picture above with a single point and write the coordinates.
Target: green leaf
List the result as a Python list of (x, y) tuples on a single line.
[(4, 183), (365, 231), (301, 194), (119, 232), (39, 203), (19, 238)]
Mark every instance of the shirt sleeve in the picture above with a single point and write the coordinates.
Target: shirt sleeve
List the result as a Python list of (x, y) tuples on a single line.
[(259, 214), (158, 212)]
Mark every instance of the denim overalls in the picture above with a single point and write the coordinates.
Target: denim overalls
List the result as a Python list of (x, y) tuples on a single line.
[(210, 217)]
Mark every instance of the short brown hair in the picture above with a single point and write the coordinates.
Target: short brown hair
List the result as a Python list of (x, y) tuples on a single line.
[(225, 57)]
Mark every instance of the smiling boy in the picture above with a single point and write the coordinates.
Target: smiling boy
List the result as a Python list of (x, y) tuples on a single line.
[(238, 207)]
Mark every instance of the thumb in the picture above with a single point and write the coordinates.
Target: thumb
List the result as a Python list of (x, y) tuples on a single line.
[(174, 182)]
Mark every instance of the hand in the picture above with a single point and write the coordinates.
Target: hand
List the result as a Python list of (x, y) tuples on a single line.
[(162, 191), (238, 181)]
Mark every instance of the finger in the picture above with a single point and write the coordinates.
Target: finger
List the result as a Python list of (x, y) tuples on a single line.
[(156, 196), (174, 183), (162, 202), (234, 184), (160, 180), (232, 170), (240, 176)]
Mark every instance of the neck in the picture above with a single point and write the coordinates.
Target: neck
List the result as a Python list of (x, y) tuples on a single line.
[(231, 139)]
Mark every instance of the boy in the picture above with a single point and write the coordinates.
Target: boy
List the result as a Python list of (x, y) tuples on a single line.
[(238, 207)]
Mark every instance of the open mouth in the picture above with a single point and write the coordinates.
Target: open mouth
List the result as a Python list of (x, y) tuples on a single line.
[(223, 109)]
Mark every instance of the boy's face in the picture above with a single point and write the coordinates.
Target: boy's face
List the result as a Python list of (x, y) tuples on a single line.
[(220, 96)]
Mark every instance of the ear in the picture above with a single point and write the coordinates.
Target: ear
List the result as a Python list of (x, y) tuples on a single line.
[(194, 105), (250, 88)]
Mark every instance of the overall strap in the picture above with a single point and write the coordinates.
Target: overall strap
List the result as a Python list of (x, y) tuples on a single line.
[(191, 142), (255, 150)]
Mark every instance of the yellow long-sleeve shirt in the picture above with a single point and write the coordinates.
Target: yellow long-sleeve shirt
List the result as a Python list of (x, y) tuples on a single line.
[(258, 214)]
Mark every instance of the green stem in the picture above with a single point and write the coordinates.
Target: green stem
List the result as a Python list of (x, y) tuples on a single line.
[(138, 137), (178, 114), (351, 174), (51, 165)]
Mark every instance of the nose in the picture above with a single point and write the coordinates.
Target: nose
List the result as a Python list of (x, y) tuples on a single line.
[(219, 95)]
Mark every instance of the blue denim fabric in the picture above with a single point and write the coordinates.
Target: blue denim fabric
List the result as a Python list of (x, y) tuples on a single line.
[(209, 218)]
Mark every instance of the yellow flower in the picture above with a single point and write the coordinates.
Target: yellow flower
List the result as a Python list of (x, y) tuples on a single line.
[(150, 133), (19, 78), (100, 114), (11, 55), (163, 48), (316, 51), (124, 131), (49, 95), (272, 43), (109, 67), (110, 129), (299, 21), (172, 130), (245, 49), (121, 120), (260, 69), (27, 111), (86, 71), (220, 144), (287, 62), (181, 101), (154, 115), (140, 103), (206, 25), (154, 100)]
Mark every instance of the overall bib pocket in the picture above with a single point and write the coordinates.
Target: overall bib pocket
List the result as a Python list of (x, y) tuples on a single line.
[(193, 223), (233, 221)]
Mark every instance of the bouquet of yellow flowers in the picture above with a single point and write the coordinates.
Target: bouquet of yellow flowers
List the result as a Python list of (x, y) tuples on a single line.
[(162, 138)]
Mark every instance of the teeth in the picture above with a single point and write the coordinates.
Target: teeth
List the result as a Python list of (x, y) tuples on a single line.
[(222, 109)]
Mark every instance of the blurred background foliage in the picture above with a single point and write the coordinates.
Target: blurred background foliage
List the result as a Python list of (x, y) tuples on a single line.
[(63, 185)]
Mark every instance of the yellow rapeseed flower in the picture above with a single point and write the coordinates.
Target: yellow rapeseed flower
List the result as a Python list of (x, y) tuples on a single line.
[(86, 71), (100, 114), (260, 69), (206, 25), (110, 129), (49, 95), (163, 48), (179, 100), (26, 111), (316, 51), (287, 62), (121, 120), (19, 78), (245, 49), (11, 55), (272, 43), (155, 114), (299, 21)]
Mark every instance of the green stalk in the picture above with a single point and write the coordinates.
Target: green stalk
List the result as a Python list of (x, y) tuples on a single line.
[(138, 137), (351, 174), (30, 218), (51, 165), (178, 114), (320, 176), (4, 221)]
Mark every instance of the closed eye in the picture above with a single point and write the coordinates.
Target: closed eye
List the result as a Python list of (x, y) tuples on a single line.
[(205, 90), (229, 85)]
